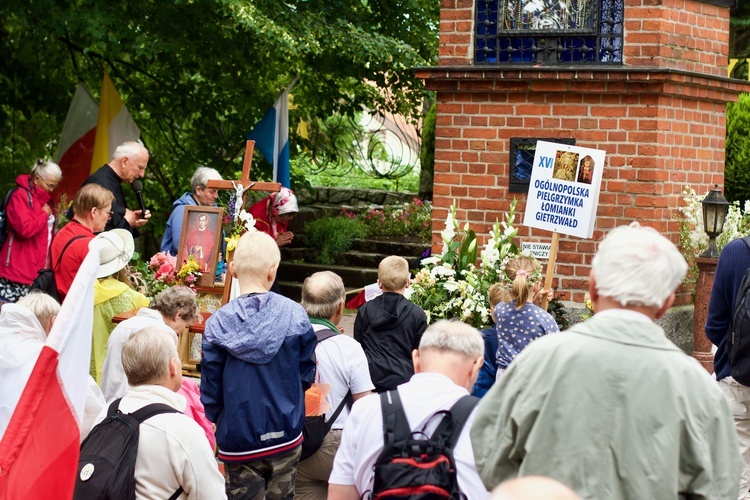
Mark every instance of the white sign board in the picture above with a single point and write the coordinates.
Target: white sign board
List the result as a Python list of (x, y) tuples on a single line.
[(564, 189), (540, 251)]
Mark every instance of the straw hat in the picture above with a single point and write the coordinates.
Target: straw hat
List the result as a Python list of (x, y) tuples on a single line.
[(117, 248)]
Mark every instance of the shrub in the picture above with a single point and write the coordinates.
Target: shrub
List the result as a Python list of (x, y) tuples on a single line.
[(408, 219), (330, 235)]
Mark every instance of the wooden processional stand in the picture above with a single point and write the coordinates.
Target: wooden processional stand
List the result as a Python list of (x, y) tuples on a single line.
[(188, 364), (247, 185)]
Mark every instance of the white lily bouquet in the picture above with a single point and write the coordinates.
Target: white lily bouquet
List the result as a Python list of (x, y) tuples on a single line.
[(451, 285)]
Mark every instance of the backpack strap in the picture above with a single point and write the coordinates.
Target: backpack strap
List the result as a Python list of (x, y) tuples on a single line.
[(177, 493), (396, 429), (152, 410), (450, 427), (325, 334), (144, 413), (71, 240), (348, 401)]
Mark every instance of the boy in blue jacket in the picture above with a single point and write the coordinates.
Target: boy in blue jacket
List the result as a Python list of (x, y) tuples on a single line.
[(256, 365)]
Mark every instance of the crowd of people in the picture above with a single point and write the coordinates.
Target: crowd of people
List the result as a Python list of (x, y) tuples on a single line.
[(608, 408)]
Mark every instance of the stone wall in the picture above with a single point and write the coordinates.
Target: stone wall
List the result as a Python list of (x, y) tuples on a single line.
[(352, 197)]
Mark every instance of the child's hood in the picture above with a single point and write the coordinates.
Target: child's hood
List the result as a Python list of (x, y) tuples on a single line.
[(254, 328)]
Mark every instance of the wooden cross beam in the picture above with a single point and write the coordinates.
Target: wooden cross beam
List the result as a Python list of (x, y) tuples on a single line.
[(244, 180)]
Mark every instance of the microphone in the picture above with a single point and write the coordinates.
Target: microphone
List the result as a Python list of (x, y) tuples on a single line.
[(137, 186)]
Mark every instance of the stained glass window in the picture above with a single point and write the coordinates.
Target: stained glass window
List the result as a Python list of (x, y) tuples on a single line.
[(549, 31)]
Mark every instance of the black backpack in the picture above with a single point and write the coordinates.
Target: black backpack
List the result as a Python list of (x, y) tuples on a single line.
[(413, 467), (45, 278), (106, 466), (4, 226), (739, 342), (316, 427)]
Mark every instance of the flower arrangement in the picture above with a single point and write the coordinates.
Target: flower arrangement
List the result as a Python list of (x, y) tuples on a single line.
[(450, 285), (237, 221), (160, 273)]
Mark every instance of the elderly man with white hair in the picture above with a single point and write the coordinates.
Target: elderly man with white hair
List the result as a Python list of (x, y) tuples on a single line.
[(610, 407), (128, 163), (446, 365)]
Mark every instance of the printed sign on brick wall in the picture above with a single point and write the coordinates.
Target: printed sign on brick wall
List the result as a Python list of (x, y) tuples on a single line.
[(564, 189)]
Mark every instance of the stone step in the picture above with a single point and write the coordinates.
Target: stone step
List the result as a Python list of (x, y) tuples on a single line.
[(293, 290), (384, 247), (353, 277)]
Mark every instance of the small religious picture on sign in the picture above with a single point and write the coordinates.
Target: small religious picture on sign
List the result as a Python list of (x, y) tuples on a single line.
[(565, 166), (201, 240), (586, 170)]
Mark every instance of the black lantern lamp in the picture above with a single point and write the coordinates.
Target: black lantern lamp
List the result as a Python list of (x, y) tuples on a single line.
[(715, 208)]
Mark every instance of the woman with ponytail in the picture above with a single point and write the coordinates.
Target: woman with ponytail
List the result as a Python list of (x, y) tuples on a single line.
[(519, 321)]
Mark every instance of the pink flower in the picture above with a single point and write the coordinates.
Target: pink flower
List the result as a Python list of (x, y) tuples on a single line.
[(160, 259), (166, 269), (190, 278)]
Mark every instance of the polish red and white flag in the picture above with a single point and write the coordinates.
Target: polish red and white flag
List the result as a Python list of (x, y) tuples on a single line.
[(40, 446)]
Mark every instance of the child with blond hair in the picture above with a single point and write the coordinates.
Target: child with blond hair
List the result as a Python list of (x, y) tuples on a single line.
[(389, 327), (519, 321)]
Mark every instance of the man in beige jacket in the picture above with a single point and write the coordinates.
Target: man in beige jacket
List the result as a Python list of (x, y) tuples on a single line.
[(611, 408)]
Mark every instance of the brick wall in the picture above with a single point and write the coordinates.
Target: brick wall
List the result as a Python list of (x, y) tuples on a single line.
[(660, 117)]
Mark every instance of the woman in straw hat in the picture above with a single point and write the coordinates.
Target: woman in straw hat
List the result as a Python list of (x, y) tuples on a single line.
[(112, 293)]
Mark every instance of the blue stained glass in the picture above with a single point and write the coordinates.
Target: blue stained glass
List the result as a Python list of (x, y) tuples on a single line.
[(549, 31)]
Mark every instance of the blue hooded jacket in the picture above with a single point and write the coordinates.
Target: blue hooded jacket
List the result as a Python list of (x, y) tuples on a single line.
[(171, 240), (257, 363)]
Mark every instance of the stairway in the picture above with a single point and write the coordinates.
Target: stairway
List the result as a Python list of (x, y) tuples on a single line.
[(357, 267)]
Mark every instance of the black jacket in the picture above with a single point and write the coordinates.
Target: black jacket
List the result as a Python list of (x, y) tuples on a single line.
[(107, 178), (389, 327)]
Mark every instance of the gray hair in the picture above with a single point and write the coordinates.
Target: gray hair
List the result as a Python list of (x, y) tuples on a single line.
[(636, 266), (202, 175), (129, 149), (322, 292), (41, 305), (177, 300), (46, 170), (453, 336), (146, 355)]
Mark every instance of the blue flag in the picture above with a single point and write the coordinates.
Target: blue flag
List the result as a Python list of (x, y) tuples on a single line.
[(271, 136)]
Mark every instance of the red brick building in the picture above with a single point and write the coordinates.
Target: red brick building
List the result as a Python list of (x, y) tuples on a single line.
[(643, 80)]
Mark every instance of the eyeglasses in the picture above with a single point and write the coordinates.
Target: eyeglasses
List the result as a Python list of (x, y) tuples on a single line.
[(48, 186), (109, 212)]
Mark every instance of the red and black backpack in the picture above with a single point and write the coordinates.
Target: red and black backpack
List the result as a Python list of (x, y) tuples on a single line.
[(413, 465)]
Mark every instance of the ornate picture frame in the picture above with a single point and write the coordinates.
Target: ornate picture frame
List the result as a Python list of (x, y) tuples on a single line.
[(201, 239)]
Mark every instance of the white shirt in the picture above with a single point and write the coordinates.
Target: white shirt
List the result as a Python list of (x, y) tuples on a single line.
[(114, 383), (362, 439), (342, 365), (172, 450)]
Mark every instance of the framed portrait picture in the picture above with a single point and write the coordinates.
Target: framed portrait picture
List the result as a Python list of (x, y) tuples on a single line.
[(201, 239)]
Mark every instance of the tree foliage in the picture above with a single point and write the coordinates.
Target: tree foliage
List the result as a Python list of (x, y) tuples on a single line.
[(198, 74), (739, 38), (737, 164)]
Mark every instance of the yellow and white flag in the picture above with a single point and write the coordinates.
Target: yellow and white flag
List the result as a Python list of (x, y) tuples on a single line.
[(114, 125)]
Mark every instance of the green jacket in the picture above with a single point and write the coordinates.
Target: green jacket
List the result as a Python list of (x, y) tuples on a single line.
[(612, 409)]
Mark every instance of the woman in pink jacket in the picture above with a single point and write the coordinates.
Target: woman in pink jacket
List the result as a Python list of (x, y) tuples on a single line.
[(31, 225)]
